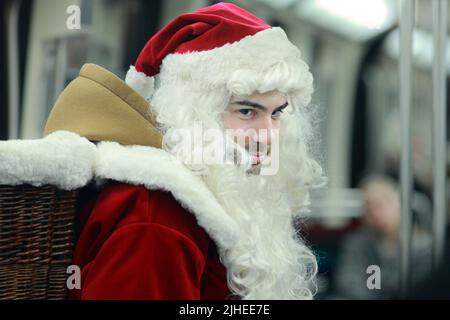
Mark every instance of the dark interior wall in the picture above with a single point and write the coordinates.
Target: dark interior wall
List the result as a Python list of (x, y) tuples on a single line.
[(24, 32), (3, 75), (24, 29), (142, 23), (359, 147)]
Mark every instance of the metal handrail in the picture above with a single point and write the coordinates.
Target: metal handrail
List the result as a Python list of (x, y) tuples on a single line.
[(405, 65), (439, 130)]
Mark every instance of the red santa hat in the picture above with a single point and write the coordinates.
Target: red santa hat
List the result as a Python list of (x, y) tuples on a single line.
[(207, 46)]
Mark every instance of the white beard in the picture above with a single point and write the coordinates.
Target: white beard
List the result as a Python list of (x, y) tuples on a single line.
[(268, 260)]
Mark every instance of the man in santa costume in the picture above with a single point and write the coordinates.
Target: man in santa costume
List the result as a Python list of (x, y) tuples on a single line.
[(166, 225)]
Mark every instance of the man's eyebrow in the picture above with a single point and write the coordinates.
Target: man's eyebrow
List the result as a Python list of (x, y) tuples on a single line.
[(258, 106), (250, 104), (282, 106)]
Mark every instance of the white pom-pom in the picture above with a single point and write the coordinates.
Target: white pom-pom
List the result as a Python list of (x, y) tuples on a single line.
[(140, 82)]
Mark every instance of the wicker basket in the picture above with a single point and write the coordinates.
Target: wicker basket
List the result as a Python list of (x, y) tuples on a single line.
[(36, 241)]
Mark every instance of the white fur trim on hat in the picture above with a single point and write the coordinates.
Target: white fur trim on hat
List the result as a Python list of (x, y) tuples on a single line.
[(268, 50), (140, 82)]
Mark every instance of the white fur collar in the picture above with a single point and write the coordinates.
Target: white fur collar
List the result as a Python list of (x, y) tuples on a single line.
[(63, 159), (157, 169)]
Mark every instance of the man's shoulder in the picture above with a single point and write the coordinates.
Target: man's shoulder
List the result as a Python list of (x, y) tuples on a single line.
[(135, 204)]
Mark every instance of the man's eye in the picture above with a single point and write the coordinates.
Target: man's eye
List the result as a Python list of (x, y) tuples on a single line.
[(277, 114), (246, 113)]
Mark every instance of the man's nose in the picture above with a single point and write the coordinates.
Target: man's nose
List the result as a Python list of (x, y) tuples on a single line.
[(264, 131)]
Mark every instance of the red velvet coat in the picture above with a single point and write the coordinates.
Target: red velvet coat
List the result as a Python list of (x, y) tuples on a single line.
[(141, 244)]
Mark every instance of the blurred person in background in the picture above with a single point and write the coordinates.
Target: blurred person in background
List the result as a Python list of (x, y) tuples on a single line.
[(377, 243)]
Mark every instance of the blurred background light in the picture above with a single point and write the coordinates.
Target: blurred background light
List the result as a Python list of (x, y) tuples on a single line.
[(358, 20)]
